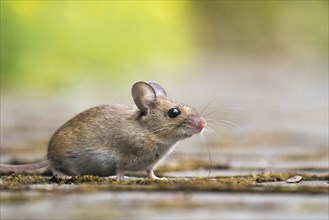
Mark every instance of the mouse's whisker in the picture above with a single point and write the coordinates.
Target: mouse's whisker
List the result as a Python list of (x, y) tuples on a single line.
[(160, 129), (207, 106), (210, 131), (224, 109), (203, 141), (225, 123)]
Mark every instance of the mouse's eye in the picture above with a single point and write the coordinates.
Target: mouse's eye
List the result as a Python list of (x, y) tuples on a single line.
[(173, 112)]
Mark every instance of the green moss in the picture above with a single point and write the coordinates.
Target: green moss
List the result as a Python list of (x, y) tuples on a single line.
[(248, 183), (283, 176)]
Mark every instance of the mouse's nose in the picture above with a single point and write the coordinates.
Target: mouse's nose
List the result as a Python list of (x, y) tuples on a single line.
[(201, 123), (198, 123)]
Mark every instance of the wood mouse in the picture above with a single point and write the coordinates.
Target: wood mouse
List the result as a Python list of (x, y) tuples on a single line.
[(109, 139)]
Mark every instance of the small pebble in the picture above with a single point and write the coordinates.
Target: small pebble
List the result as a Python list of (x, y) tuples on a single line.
[(294, 179)]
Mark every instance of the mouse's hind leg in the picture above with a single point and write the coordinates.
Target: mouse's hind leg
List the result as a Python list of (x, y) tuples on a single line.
[(58, 173), (119, 176)]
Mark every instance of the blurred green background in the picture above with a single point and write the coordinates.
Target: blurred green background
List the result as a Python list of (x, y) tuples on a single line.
[(54, 45)]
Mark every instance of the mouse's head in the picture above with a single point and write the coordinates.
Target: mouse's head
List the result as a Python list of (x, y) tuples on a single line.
[(167, 119)]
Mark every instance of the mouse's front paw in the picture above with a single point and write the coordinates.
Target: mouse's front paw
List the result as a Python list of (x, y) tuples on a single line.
[(152, 176)]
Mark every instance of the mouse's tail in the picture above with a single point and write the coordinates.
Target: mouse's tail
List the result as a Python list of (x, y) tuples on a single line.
[(24, 167)]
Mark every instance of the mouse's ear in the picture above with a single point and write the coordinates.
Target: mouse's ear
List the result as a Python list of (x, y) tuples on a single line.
[(159, 90), (144, 96)]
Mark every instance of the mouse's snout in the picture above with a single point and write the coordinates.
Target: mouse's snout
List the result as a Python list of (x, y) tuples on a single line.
[(198, 124)]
